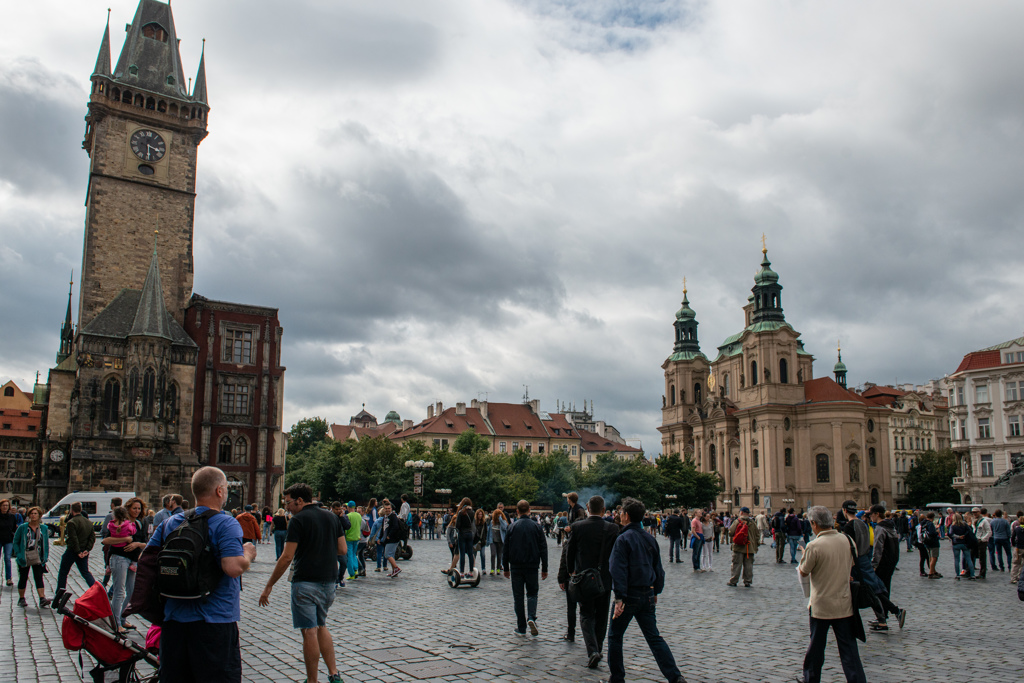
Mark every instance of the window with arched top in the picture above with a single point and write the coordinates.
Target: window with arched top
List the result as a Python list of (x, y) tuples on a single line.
[(789, 457), (672, 393), (111, 403), (224, 450), (872, 458), (725, 383), (155, 31), (753, 372), (171, 406), (712, 458), (822, 468), (8, 391), (757, 496), (241, 451), (874, 497), (783, 371), (148, 389), (757, 458)]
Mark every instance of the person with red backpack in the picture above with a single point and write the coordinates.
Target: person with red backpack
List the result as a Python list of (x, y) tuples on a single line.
[(745, 540)]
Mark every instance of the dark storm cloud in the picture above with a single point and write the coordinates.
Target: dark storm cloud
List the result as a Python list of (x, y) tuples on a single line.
[(386, 241), (41, 118)]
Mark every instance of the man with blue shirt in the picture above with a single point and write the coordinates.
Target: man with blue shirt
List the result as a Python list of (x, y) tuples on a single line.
[(199, 640), (637, 579)]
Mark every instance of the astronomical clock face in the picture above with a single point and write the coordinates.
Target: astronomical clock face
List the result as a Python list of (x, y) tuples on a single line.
[(57, 455), (148, 145)]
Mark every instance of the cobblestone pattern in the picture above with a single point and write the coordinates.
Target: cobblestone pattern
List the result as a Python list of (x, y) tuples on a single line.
[(965, 630)]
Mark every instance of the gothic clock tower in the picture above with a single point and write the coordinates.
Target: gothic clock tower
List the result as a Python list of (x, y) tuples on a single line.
[(142, 135)]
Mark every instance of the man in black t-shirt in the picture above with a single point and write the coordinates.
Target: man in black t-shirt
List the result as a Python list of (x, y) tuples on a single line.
[(315, 541)]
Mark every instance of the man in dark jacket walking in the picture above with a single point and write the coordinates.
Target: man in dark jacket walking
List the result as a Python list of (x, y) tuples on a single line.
[(674, 531), (525, 551), (79, 538), (590, 547), (885, 556), (637, 580)]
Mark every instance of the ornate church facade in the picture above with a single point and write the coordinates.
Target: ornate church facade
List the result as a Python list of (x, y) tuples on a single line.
[(757, 416), (154, 379)]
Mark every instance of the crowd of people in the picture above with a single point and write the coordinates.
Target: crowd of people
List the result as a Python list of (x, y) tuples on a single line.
[(609, 569)]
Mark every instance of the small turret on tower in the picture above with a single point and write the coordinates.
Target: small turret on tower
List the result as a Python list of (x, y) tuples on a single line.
[(67, 330), (840, 367)]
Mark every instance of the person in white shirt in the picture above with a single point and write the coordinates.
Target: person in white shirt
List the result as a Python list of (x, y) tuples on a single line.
[(983, 530)]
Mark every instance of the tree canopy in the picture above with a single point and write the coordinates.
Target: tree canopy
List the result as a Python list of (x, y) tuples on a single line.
[(375, 468), (930, 479)]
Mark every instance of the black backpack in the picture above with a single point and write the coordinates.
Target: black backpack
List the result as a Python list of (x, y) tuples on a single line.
[(403, 529), (187, 567)]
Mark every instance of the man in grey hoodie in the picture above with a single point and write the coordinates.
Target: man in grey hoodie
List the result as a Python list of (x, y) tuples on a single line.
[(885, 555)]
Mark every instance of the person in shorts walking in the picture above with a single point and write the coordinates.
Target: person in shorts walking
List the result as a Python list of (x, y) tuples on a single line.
[(315, 541)]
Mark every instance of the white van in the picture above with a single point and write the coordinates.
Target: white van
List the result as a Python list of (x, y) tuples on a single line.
[(95, 506)]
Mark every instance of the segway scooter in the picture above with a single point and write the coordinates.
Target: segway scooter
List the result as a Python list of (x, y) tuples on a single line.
[(457, 579)]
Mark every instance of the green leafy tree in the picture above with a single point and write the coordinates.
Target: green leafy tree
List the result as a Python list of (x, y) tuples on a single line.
[(930, 479), (555, 474), (470, 443), (306, 433), (681, 478)]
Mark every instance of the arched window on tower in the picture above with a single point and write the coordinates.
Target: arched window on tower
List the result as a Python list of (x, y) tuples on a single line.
[(753, 372), (241, 451), (872, 459), (874, 496), (725, 384), (821, 468), (696, 393), (111, 403), (133, 392), (224, 450), (672, 393), (8, 391), (757, 496), (757, 458), (789, 457), (712, 459), (783, 371), (155, 31), (148, 390)]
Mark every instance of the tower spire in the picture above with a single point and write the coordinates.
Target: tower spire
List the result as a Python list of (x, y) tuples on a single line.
[(150, 59), (67, 330), (686, 344), (767, 292), (102, 67), (199, 90), (151, 316)]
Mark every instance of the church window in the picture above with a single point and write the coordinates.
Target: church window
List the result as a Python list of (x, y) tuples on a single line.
[(712, 458), (111, 403), (224, 450), (134, 71), (783, 371), (170, 80), (115, 94), (757, 459), (736, 463), (753, 425), (757, 496), (148, 389), (238, 346), (155, 31), (872, 458), (874, 496), (725, 383), (753, 373), (822, 469), (672, 393), (139, 100), (173, 110), (133, 392), (789, 457), (786, 424), (241, 451), (854, 469), (696, 393), (8, 391), (127, 97), (235, 399)]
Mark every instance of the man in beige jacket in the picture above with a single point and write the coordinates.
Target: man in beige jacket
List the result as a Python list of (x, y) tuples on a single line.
[(828, 560)]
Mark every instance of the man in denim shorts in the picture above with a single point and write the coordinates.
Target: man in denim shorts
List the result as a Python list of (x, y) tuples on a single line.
[(315, 541)]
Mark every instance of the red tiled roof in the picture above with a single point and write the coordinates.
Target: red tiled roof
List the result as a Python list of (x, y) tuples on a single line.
[(592, 442), (883, 391), (561, 423), (515, 419), (826, 389), (979, 359), (22, 426), (450, 423)]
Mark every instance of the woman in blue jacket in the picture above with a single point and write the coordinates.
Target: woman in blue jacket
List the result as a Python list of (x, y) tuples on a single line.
[(31, 550)]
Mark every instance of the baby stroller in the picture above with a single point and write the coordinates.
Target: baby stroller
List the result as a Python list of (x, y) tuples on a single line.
[(90, 625)]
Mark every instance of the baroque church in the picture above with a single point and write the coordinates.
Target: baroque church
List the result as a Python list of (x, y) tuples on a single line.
[(756, 415), (155, 381)]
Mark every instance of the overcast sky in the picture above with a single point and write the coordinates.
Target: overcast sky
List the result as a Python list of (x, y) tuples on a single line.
[(451, 199)]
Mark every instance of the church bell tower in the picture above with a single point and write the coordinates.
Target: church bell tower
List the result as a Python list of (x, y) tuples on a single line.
[(142, 136)]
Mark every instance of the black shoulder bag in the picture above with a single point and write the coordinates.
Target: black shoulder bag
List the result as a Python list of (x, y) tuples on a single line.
[(587, 584), (858, 595)]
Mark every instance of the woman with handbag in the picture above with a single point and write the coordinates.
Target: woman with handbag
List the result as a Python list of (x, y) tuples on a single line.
[(31, 550)]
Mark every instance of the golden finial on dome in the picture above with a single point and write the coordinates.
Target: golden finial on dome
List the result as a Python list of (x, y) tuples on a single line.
[(764, 244)]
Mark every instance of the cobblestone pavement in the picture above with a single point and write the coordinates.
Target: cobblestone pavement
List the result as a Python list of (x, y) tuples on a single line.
[(955, 630)]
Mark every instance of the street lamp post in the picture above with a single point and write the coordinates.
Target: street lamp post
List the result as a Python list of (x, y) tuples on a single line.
[(670, 499), (445, 492), (417, 480)]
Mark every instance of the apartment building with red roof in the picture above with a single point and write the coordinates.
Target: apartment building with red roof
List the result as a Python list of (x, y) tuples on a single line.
[(986, 415), (20, 426), (364, 426)]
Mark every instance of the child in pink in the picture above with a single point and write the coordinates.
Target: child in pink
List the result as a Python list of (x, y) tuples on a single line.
[(120, 526)]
